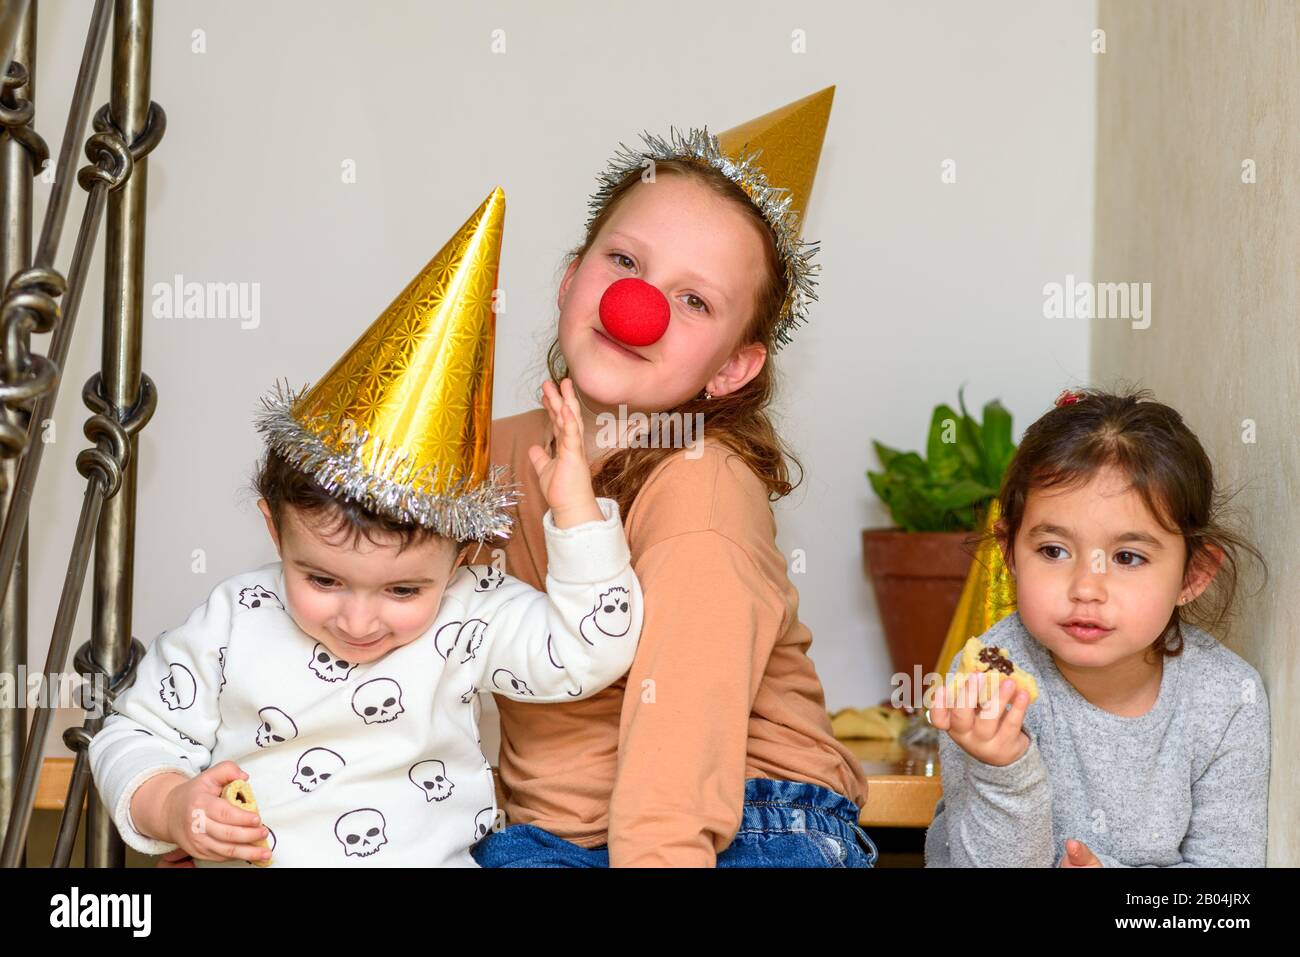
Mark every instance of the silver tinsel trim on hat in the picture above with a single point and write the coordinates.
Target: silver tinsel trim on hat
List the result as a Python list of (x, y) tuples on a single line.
[(384, 481), (772, 201)]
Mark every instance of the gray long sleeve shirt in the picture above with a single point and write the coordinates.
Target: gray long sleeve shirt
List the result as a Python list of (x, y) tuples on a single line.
[(1184, 785)]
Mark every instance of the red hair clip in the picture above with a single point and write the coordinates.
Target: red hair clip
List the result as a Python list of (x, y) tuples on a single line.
[(1067, 398)]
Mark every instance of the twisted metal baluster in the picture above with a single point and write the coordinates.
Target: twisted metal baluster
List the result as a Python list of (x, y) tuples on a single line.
[(139, 122), (22, 154)]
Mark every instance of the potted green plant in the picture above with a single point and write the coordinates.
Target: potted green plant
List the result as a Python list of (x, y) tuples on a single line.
[(918, 567)]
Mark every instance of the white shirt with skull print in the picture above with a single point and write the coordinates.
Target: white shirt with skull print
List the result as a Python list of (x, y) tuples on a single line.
[(378, 764)]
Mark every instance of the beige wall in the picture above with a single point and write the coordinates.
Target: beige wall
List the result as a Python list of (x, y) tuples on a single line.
[(1187, 93)]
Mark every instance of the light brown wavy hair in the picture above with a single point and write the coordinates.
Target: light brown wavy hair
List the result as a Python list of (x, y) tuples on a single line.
[(739, 420), (1164, 461)]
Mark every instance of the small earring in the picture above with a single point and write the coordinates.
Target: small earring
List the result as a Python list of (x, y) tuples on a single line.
[(707, 396)]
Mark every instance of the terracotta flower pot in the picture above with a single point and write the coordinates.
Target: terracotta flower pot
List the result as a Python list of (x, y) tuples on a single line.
[(917, 578)]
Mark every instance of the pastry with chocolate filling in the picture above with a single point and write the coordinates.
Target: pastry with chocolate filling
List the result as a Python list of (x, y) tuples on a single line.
[(977, 657)]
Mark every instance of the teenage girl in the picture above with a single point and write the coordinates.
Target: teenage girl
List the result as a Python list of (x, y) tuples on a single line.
[(717, 748)]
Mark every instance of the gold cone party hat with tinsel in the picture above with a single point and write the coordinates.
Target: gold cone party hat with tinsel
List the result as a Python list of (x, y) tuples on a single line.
[(773, 158), (401, 423), (988, 596)]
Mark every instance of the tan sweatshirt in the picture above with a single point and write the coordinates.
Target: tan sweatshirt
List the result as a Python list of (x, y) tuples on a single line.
[(721, 688)]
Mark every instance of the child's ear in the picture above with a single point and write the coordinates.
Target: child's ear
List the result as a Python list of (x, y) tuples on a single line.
[(745, 363), (1204, 566), (270, 522), (564, 284)]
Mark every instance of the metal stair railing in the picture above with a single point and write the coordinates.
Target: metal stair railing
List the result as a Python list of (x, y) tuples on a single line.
[(121, 397)]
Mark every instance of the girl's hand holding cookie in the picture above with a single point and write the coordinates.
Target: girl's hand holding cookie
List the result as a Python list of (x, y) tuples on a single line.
[(565, 478), (989, 732)]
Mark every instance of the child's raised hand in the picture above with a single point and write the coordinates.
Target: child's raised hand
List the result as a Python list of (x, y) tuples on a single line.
[(566, 478), (988, 732), (206, 825)]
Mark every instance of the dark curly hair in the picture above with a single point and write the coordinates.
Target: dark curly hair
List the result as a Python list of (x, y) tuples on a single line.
[(337, 520)]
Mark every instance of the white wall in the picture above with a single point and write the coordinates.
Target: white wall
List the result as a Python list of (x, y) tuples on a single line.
[(925, 285)]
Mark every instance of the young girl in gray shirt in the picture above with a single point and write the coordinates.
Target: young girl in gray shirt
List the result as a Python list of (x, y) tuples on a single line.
[(1148, 742)]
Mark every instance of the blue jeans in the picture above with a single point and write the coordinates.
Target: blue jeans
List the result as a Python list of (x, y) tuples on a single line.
[(782, 824)]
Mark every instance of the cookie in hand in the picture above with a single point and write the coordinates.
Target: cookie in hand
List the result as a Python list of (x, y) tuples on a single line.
[(977, 657), (240, 793)]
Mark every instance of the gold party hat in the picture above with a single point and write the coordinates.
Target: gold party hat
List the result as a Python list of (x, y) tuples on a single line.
[(789, 140), (773, 158), (988, 596), (401, 423)]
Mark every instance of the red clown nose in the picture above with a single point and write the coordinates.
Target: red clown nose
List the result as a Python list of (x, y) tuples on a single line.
[(634, 312)]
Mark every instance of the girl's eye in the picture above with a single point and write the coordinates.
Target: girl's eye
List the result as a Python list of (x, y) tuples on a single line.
[(618, 256), (1135, 559), (691, 295), (1046, 549), (320, 581), (405, 591)]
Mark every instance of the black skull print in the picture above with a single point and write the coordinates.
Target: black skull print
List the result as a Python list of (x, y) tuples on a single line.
[(460, 640), (274, 727), (361, 832), (378, 700), (259, 597), (503, 679), (611, 617), (486, 577), (177, 690), (431, 778), (326, 667), (315, 767)]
